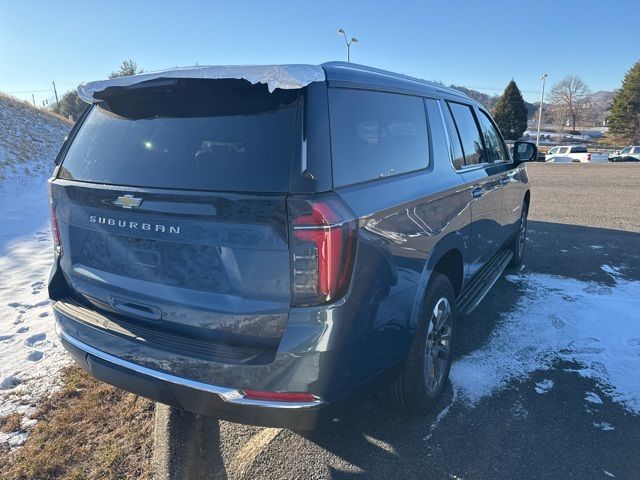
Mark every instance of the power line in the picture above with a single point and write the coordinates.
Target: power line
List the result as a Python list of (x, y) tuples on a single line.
[(31, 91)]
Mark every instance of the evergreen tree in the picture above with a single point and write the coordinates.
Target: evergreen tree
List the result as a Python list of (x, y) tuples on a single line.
[(624, 118), (70, 104), (127, 67), (511, 113)]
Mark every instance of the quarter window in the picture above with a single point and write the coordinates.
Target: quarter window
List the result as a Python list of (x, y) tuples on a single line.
[(456, 147), (492, 139), (376, 134), (470, 138)]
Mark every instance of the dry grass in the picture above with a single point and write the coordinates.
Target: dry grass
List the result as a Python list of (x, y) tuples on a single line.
[(86, 430), (10, 423), (28, 105)]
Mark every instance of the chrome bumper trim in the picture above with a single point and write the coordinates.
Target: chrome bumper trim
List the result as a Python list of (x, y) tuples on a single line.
[(229, 395)]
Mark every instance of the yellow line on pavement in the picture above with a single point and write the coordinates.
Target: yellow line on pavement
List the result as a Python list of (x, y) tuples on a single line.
[(244, 459)]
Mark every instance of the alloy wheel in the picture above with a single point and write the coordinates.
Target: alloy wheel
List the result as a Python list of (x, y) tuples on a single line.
[(438, 345), (522, 234)]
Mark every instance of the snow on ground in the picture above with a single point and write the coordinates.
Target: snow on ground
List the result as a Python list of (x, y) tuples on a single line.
[(592, 324), (30, 355)]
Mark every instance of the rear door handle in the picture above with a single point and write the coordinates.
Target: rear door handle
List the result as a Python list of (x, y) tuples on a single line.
[(477, 192)]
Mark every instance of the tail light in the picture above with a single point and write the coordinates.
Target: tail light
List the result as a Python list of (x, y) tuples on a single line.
[(588, 157), (322, 238), (57, 247)]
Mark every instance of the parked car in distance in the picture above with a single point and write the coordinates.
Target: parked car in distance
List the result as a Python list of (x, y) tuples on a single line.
[(266, 244), (627, 154), (574, 153)]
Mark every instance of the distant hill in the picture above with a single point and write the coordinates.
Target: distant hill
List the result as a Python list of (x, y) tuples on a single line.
[(602, 96), (29, 139), (600, 105), (489, 101)]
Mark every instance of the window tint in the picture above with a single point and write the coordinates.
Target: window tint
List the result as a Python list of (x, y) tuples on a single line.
[(497, 152), (375, 134), (469, 134), (233, 138), (636, 150), (456, 146), (578, 149)]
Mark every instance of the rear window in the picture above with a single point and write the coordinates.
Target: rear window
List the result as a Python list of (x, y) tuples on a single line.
[(199, 135), (376, 134)]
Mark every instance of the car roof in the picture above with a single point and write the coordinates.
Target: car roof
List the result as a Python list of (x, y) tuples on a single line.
[(286, 76), (353, 74)]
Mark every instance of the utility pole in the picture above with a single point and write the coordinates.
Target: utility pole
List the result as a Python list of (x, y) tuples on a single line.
[(348, 43), (543, 77), (56, 94), (33, 98)]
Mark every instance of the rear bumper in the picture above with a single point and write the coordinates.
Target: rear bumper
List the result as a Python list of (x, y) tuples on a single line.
[(197, 397)]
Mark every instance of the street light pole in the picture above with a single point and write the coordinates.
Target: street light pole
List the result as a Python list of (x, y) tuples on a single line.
[(348, 43), (543, 77)]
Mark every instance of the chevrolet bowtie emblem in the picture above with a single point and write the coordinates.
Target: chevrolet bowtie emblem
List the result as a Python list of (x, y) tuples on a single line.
[(127, 201)]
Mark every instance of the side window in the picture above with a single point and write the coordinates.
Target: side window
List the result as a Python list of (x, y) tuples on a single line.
[(376, 134), (456, 146), (492, 139), (563, 150), (626, 150), (472, 145), (552, 151), (636, 150)]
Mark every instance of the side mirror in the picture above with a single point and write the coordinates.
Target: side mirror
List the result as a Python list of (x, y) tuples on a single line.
[(524, 152)]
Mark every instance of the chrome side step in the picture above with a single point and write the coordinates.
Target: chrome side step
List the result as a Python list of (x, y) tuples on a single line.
[(475, 291)]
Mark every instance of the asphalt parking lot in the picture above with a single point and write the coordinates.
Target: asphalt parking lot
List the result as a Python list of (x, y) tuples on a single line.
[(581, 217)]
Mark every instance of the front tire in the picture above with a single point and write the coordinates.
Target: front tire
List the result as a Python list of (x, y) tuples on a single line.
[(425, 373), (520, 239)]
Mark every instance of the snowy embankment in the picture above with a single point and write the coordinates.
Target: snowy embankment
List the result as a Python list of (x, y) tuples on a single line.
[(30, 355)]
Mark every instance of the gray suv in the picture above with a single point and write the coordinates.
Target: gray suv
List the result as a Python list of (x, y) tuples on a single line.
[(268, 244)]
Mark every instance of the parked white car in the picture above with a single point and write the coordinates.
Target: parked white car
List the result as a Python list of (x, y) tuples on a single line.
[(574, 153)]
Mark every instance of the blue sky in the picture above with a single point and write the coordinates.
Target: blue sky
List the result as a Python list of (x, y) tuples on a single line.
[(479, 44)]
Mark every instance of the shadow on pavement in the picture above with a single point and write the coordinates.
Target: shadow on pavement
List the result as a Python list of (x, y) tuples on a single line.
[(516, 433)]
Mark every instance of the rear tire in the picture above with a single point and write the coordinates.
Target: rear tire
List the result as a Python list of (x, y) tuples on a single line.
[(519, 241), (424, 375)]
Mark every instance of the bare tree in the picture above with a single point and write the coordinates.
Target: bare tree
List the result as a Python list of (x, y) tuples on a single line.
[(568, 98)]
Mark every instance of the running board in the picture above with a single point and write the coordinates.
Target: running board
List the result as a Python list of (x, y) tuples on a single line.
[(473, 293)]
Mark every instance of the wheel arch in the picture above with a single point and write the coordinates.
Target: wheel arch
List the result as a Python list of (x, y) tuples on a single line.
[(447, 258)]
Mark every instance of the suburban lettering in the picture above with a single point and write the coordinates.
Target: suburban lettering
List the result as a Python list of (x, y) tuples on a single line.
[(149, 227)]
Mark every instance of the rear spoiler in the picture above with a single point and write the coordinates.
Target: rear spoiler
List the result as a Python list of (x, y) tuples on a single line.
[(292, 76)]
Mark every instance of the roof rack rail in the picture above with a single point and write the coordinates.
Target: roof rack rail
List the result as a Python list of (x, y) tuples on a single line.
[(366, 68)]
